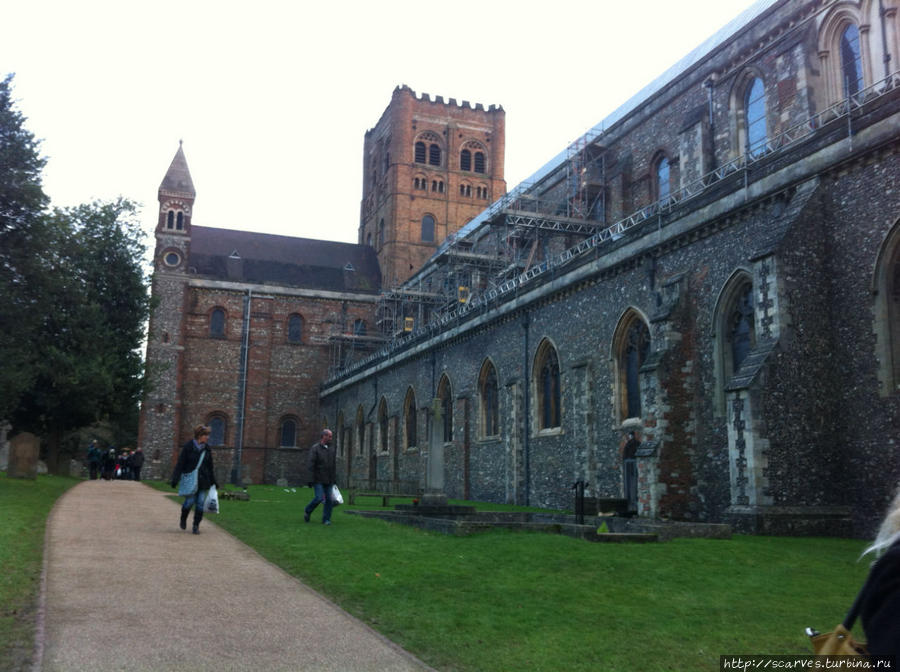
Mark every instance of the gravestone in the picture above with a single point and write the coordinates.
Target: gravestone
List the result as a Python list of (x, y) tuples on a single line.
[(24, 449)]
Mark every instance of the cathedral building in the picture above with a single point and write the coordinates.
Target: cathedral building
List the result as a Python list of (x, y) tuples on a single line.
[(694, 309)]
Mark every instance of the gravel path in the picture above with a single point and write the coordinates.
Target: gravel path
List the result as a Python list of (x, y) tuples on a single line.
[(125, 589)]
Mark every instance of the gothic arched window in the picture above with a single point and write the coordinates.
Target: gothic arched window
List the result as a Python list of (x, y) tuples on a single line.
[(632, 346), (490, 401), (217, 323), (445, 394), (741, 335), (382, 426), (409, 420), (546, 372), (662, 179), (851, 61), (755, 116)]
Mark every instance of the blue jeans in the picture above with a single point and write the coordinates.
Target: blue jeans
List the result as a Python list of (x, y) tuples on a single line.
[(323, 493), (197, 498)]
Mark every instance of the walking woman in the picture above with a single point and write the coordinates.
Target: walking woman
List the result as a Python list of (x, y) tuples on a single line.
[(194, 475), (880, 598)]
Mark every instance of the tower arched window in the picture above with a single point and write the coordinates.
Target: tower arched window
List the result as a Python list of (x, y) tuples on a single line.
[(465, 160), (420, 152), (755, 116), (662, 179), (428, 229), (295, 329), (288, 434), (489, 396), (434, 155), (479, 162), (217, 323), (216, 424), (409, 420), (445, 395), (632, 346), (179, 221), (546, 372), (851, 61), (170, 219)]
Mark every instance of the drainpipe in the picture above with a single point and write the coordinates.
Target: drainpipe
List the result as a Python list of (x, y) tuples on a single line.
[(526, 382), (242, 391)]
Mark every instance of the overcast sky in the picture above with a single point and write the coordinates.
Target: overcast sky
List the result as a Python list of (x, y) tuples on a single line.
[(272, 98)]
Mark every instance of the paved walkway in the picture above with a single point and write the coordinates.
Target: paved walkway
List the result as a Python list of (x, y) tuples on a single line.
[(148, 596)]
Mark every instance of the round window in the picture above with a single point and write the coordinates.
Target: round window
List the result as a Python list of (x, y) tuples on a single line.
[(172, 258)]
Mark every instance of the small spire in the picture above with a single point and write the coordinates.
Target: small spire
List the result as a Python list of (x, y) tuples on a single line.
[(178, 177)]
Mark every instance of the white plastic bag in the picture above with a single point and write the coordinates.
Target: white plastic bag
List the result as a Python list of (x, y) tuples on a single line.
[(211, 505), (336, 496)]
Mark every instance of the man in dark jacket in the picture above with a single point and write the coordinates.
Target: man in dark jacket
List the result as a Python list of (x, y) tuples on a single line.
[(323, 473), (137, 462)]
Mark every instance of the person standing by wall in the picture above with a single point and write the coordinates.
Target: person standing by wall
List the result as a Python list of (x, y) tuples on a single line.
[(137, 461), (195, 454), (323, 472), (94, 457)]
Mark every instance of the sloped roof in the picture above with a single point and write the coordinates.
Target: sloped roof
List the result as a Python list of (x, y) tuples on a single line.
[(243, 256)]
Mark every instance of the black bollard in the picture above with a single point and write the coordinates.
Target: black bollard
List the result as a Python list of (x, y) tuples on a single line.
[(579, 487)]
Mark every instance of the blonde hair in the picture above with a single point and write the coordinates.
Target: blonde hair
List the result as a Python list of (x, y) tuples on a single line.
[(200, 430), (889, 532)]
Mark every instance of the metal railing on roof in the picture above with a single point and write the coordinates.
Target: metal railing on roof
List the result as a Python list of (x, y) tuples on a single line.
[(792, 136)]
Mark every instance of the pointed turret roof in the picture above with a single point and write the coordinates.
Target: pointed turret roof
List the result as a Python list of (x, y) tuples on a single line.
[(178, 177)]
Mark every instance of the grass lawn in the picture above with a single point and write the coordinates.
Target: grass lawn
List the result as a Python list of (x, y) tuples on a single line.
[(24, 506), (514, 601)]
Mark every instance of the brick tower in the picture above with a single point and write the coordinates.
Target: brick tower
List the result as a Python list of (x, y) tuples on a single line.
[(428, 168), (160, 415)]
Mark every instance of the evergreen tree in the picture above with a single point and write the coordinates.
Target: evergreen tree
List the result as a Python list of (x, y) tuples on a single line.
[(24, 237)]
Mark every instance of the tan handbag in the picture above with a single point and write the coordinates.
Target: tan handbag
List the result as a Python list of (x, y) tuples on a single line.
[(839, 642)]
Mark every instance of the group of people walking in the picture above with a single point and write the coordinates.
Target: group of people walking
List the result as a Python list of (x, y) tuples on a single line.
[(110, 464)]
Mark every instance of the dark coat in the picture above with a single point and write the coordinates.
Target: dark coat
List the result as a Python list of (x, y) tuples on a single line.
[(187, 462), (321, 464), (880, 609), (137, 460)]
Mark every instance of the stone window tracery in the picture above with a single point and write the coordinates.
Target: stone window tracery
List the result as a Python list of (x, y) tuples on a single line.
[(382, 426), (445, 394), (546, 371), (409, 420), (632, 346), (755, 117), (490, 401)]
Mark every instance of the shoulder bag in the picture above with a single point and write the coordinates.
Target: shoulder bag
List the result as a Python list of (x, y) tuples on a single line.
[(188, 483), (839, 642)]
